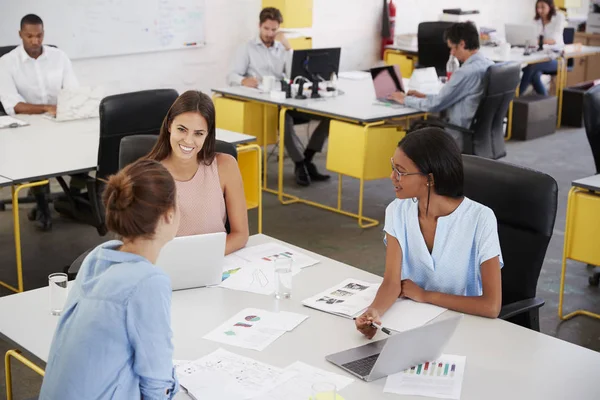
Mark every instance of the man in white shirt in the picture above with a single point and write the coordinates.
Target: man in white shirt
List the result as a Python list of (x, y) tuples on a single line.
[(31, 76), (266, 55)]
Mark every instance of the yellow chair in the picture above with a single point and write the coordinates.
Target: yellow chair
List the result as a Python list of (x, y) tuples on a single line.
[(582, 231)]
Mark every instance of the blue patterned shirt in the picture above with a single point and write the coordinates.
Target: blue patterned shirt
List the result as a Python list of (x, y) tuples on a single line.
[(463, 241)]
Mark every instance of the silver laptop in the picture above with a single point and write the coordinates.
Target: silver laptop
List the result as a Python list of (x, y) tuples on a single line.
[(194, 261), (522, 34), (398, 352), (80, 102)]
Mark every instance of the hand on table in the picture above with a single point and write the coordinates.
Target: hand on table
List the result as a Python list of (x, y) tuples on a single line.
[(250, 82), (398, 97), (51, 109)]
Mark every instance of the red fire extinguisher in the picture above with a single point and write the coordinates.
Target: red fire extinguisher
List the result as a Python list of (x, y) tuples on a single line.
[(389, 40)]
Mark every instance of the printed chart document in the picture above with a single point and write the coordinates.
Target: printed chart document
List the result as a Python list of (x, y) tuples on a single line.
[(251, 269), (441, 378), (271, 251), (255, 329), (225, 375), (348, 299), (299, 387)]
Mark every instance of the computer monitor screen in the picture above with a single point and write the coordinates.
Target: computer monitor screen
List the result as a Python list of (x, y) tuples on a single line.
[(316, 63)]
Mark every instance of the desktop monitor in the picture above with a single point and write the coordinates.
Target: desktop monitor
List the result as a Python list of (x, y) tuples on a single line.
[(316, 63)]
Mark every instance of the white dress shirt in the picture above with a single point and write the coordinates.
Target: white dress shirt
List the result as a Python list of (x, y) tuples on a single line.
[(554, 29), (255, 59), (35, 81)]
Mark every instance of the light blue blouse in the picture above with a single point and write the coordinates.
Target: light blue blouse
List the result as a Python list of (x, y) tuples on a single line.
[(113, 340), (463, 241)]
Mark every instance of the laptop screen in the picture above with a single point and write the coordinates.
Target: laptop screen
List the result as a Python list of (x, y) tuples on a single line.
[(386, 80)]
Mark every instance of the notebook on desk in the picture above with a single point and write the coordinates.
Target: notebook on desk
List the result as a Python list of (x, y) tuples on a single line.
[(78, 103)]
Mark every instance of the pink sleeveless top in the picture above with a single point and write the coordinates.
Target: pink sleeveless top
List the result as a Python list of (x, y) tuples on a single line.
[(201, 202)]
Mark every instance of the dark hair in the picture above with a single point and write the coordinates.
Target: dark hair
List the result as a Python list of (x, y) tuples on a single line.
[(136, 197), (31, 19), (271, 13), (190, 101), (550, 4), (435, 152), (466, 31)]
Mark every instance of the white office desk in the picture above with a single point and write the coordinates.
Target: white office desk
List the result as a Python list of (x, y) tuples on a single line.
[(4, 181), (46, 148), (504, 361), (517, 55), (234, 137), (590, 183), (356, 104)]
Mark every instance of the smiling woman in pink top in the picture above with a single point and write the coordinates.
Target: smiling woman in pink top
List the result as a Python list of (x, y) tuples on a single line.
[(209, 184)]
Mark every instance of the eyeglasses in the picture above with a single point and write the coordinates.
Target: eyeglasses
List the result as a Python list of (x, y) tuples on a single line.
[(399, 174)]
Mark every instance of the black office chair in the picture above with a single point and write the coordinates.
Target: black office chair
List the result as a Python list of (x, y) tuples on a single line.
[(525, 203), (485, 137), (120, 115), (6, 49), (591, 120), (433, 49)]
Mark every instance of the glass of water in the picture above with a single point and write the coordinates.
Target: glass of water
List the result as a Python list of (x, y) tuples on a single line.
[(58, 292), (323, 391), (283, 277)]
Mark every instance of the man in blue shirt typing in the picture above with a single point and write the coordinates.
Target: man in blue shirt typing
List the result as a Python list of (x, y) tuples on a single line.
[(461, 95)]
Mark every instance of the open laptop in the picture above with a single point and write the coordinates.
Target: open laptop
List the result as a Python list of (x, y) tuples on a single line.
[(387, 80), (194, 261), (78, 103), (398, 352), (522, 35)]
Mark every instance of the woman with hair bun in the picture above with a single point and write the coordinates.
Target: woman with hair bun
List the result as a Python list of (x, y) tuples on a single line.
[(113, 340)]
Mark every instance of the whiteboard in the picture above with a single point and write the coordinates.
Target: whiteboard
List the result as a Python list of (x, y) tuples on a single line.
[(96, 28)]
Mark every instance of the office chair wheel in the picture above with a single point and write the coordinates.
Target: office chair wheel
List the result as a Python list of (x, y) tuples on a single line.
[(594, 280)]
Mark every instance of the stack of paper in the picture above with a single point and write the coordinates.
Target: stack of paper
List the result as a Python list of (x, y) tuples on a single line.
[(251, 269), (441, 378), (254, 328), (299, 387)]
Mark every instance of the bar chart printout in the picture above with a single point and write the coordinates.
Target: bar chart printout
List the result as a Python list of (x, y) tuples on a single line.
[(441, 378)]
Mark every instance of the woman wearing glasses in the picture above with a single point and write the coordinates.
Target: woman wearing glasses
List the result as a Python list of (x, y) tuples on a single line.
[(442, 248)]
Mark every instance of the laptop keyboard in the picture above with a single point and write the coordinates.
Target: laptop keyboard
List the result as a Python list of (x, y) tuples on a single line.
[(363, 366)]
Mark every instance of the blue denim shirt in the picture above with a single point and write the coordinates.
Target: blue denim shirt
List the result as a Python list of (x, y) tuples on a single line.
[(113, 340), (460, 97)]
